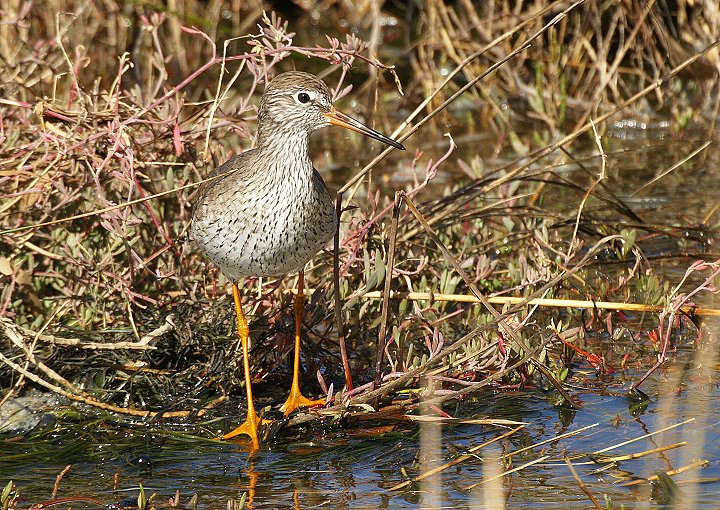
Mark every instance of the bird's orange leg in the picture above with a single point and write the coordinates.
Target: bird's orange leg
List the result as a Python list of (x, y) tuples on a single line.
[(251, 423), (296, 399)]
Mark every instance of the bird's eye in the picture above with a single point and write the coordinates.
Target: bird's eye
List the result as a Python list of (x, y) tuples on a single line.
[(303, 97)]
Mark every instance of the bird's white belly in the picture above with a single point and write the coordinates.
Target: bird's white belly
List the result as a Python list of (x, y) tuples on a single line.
[(262, 239)]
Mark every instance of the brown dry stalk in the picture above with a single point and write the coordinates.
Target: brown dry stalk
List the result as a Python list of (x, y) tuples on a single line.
[(84, 398), (58, 479), (581, 484), (644, 436), (76, 394), (385, 311), (141, 345), (674, 167)]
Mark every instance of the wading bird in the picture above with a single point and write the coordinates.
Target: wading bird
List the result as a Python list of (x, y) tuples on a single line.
[(269, 211)]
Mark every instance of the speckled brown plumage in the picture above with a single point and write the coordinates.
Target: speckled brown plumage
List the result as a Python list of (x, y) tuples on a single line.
[(268, 212), (272, 212)]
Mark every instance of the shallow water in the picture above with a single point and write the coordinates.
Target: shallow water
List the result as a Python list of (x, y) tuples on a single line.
[(340, 471)]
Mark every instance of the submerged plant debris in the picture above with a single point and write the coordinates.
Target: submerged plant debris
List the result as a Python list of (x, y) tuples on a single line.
[(110, 119)]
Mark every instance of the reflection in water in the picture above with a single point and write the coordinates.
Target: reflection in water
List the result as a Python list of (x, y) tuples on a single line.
[(490, 495), (252, 482), (431, 455), (351, 472)]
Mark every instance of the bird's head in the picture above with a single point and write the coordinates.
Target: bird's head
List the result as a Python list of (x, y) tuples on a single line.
[(301, 102)]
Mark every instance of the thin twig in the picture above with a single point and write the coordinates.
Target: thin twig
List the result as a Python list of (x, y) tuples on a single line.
[(581, 484), (58, 478), (470, 454), (337, 299), (671, 472), (550, 302), (385, 311)]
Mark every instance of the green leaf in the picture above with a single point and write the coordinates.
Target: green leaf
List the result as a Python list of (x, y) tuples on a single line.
[(366, 260), (563, 374), (6, 493), (142, 499), (508, 223), (628, 235)]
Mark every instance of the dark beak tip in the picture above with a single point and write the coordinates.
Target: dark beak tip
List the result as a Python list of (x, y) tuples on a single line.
[(338, 118)]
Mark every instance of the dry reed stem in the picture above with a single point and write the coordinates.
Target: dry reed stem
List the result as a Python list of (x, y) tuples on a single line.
[(337, 299), (674, 167), (574, 242), (58, 479), (444, 420), (84, 398), (690, 310), (141, 345), (644, 436), (581, 484), (385, 311), (469, 454), (671, 472), (604, 459), (505, 473)]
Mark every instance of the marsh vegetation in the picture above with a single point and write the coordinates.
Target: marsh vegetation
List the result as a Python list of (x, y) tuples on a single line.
[(539, 266)]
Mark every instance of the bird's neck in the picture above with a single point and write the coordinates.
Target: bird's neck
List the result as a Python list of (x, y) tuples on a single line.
[(279, 141)]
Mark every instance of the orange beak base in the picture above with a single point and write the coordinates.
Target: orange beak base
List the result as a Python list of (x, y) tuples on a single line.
[(337, 118)]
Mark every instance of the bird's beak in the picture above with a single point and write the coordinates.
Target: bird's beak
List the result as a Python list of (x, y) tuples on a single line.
[(337, 118)]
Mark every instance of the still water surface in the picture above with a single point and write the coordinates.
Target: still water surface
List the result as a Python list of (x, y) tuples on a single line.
[(337, 471)]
